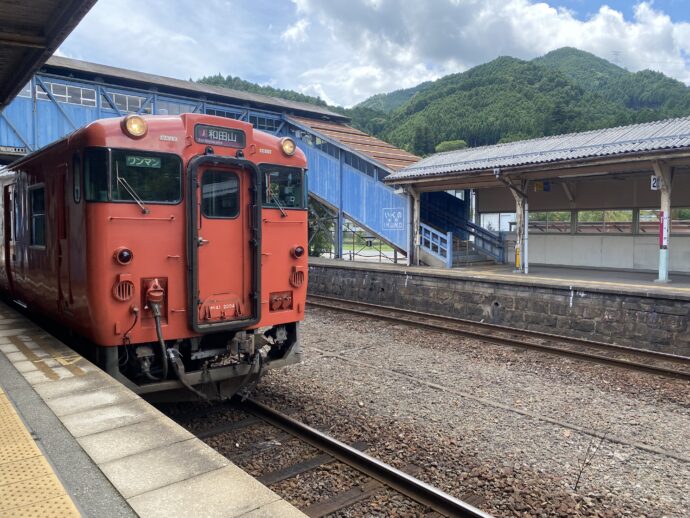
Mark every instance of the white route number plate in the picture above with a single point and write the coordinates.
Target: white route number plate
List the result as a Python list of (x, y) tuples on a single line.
[(656, 183)]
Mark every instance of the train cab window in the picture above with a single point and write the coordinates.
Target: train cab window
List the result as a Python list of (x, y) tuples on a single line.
[(96, 174), (76, 177), (131, 176), (284, 187), (151, 177), (38, 215), (220, 194)]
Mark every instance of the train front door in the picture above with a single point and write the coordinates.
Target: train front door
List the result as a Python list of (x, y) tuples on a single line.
[(224, 243)]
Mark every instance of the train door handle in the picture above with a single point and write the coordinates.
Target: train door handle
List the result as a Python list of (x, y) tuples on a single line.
[(201, 241)]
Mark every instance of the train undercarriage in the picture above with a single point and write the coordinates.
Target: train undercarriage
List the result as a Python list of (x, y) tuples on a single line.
[(211, 367)]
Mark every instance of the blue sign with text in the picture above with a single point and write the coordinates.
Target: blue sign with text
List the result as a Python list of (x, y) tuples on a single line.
[(393, 219)]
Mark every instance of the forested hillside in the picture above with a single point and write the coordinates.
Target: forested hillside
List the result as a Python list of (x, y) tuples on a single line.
[(507, 99)]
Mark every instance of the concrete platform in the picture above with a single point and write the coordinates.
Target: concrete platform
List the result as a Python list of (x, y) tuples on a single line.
[(634, 283), (626, 308), (109, 453)]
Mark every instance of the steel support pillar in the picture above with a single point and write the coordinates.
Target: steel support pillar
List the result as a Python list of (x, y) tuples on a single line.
[(665, 172)]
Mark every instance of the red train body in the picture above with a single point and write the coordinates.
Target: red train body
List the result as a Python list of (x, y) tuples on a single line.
[(174, 245)]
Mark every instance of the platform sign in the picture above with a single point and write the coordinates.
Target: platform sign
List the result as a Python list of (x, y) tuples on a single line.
[(655, 183), (663, 229), (542, 186), (393, 219)]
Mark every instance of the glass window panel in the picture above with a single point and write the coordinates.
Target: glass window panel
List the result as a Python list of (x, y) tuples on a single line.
[(38, 213), (120, 101), (41, 93), (58, 89), (618, 221), (74, 95), (649, 222), (590, 221), (680, 220), (96, 174), (153, 177), (220, 194), (283, 187)]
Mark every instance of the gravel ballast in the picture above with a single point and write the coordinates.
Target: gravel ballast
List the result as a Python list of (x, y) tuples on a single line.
[(506, 426)]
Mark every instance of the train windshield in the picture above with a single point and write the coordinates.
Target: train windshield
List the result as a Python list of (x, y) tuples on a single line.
[(283, 187), (132, 176)]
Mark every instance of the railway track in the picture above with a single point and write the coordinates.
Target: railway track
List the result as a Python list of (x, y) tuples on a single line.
[(379, 474), (663, 364)]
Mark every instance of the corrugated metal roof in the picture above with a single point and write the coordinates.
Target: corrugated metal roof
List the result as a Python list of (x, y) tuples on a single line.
[(638, 138), (168, 84), (387, 154), (30, 31)]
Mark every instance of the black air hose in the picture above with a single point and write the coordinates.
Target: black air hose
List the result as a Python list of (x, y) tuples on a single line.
[(156, 310)]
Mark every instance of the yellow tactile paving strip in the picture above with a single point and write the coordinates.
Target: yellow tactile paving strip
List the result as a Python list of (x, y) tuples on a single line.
[(28, 485)]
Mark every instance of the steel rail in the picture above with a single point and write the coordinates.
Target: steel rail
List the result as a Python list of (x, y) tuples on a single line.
[(408, 485), (396, 315)]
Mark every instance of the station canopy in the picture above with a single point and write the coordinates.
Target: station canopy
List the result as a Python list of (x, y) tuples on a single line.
[(30, 31), (625, 149)]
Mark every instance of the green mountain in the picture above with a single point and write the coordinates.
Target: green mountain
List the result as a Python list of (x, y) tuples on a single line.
[(510, 99), (386, 103), (506, 99), (639, 91), (237, 83)]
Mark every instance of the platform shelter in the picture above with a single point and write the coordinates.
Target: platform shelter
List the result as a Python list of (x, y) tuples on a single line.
[(616, 198)]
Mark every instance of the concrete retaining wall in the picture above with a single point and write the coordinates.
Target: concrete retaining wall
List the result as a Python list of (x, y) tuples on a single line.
[(659, 323)]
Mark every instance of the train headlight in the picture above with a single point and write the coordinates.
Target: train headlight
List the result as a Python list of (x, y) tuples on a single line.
[(123, 256), (288, 146), (298, 252), (134, 126)]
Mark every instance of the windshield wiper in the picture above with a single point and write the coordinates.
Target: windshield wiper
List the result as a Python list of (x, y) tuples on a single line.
[(130, 190), (280, 207)]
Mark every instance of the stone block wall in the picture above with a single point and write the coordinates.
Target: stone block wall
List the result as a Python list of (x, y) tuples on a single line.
[(652, 322)]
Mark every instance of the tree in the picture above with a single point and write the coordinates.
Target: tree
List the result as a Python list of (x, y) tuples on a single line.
[(450, 145), (423, 141)]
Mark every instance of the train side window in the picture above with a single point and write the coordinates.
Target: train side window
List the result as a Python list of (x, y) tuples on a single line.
[(38, 215), (76, 177), (96, 174), (220, 194)]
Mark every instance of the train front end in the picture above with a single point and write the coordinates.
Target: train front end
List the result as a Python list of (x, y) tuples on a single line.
[(202, 230)]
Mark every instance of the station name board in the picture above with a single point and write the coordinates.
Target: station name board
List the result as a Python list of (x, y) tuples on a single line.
[(219, 136)]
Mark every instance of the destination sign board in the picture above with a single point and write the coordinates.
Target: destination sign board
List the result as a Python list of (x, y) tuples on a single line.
[(219, 136)]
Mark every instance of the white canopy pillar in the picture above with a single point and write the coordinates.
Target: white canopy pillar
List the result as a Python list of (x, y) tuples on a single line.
[(415, 219), (521, 226), (665, 172)]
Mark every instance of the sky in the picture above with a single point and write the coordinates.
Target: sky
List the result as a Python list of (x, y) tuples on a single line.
[(344, 51)]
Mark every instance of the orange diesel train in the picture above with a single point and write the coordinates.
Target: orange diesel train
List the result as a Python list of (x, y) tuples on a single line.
[(173, 246)]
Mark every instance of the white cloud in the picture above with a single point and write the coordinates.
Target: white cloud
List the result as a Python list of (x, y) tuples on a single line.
[(347, 50), (388, 44), (296, 32)]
